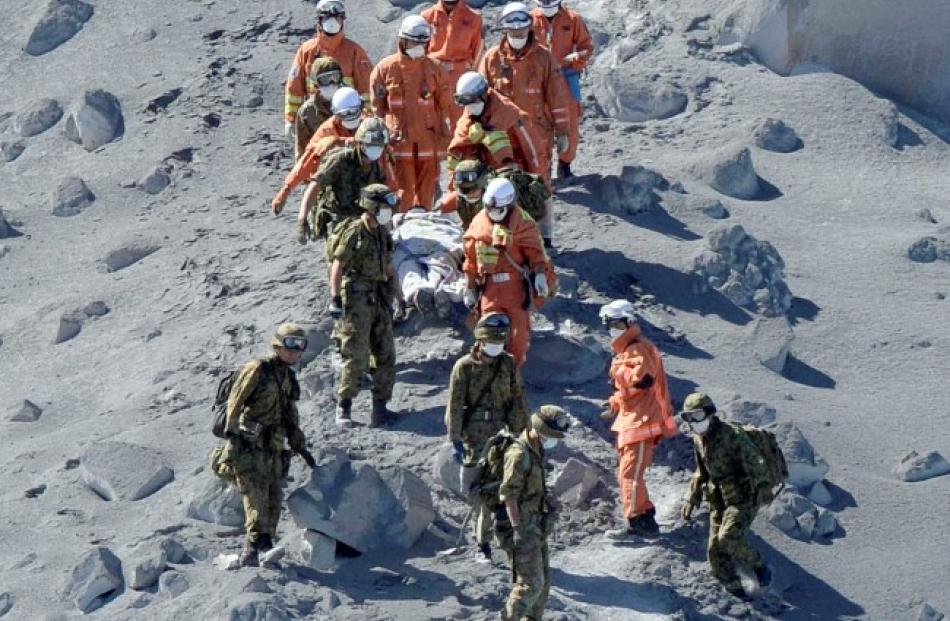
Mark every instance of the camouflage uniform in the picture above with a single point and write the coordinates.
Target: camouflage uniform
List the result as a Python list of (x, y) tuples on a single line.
[(310, 117), (530, 565), (365, 331), (343, 172), (262, 413), (729, 468), (485, 396)]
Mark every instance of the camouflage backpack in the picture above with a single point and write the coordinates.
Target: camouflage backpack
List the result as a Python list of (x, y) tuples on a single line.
[(775, 463), (219, 408), (532, 192)]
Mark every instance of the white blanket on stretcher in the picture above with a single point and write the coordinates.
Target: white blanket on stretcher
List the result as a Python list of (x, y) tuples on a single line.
[(428, 254)]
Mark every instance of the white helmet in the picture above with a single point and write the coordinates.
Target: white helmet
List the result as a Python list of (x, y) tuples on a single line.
[(330, 8), (617, 310), (499, 193), (548, 3), (345, 99), (471, 86), (515, 15), (414, 28)]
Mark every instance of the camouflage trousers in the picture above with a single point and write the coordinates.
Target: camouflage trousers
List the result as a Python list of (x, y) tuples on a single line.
[(365, 337), (258, 475), (531, 577), (728, 543)]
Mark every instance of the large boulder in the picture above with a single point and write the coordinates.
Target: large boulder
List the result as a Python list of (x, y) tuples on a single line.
[(120, 471), (628, 96), (317, 551), (560, 359), (445, 469), (415, 499), (915, 467), (805, 466), (71, 197), (59, 23), (217, 502), (95, 120), (770, 340), (97, 576), (37, 117), (729, 170)]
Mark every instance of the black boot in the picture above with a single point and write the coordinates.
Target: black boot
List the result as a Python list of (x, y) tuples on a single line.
[(764, 575), (249, 555), (645, 524), (264, 543), (564, 170), (380, 414), (343, 415), (485, 550)]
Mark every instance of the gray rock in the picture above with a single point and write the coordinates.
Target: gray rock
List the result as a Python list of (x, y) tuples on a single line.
[(97, 575), (726, 237), (629, 97), (69, 328), (256, 585), (806, 524), (173, 584), (770, 340), (445, 469), (127, 255), (827, 524), (218, 503), (59, 23), (931, 248), (37, 117), (6, 230), (254, 607), (785, 510), (716, 210), (928, 613), (926, 215), (415, 500), (914, 467), (95, 120), (775, 135), (560, 359), (317, 550), (71, 197), (6, 603), (750, 413), (633, 191), (142, 601), (120, 471), (819, 494), (25, 412), (96, 309), (145, 569), (388, 14), (730, 171), (154, 182), (174, 551), (11, 150), (579, 483), (805, 467)]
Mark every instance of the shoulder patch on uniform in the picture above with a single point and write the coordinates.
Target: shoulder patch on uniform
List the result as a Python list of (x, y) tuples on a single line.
[(379, 89)]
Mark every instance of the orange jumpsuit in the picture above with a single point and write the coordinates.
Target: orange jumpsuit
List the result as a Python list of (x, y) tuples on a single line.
[(644, 414), (354, 65), (507, 138), (487, 265), (456, 42), (531, 78), (412, 95), (566, 33), (330, 134)]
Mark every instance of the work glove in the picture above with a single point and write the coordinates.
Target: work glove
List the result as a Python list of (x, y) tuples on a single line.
[(572, 58), (458, 450), (400, 314), (541, 285), (308, 458), (303, 232), (277, 205), (469, 298), (608, 412), (476, 133), (336, 307), (563, 143), (686, 512), (288, 130)]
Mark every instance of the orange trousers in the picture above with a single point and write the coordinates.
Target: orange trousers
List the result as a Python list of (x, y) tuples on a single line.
[(508, 297), (634, 460), (417, 174)]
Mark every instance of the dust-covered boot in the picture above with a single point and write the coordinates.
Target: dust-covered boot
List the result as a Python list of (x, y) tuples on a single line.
[(564, 170), (484, 553), (344, 416), (380, 414), (645, 524), (249, 555)]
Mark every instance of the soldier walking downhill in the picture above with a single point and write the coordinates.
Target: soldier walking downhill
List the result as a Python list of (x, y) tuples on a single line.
[(485, 396), (261, 415)]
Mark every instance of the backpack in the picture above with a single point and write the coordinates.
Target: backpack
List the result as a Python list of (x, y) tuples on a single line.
[(219, 408), (492, 465), (531, 189), (775, 463)]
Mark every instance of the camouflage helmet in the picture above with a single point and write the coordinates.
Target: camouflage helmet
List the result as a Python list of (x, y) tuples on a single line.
[(493, 327), (550, 421), (373, 131), (325, 66), (290, 336), (375, 195), (470, 174), (699, 401)]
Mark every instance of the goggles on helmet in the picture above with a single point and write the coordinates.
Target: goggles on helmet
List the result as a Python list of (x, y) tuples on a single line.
[(349, 114), (296, 343), (499, 320), (329, 78), (467, 176), (391, 199)]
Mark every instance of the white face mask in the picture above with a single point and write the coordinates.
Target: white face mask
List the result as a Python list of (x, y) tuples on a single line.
[(351, 123), (384, 216), (493, 349), (700, 428), (497, 214), (550, 444), (373, 152), (475, 108), (417, 51), (615, 332), (550, 11), (327, 92), (517, 42), (331, 26)]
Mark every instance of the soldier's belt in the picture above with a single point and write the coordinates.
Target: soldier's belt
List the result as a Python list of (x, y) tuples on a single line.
[(363, 286), (485, 415)]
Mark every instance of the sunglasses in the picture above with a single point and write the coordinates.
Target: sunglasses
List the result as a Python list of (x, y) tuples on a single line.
[(464, 100), (694, 416), (327, 79), (296, 343)]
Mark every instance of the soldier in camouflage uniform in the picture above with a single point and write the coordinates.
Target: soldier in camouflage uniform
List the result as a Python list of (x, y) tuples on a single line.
[(262, 414), (524, 492), (731, 471), (363, 286), (485, 396), (326, 75)]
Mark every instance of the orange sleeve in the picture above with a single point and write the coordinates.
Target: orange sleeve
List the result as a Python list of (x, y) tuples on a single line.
[(362, 68), (583, 43), (305, 167), (295, 90), (478, 38), (377, 89), (556, 96), (470, 264)]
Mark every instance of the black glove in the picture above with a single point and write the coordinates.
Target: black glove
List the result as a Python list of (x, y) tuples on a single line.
[(336, 307), (645, 383), (458, 450), (307, 457)]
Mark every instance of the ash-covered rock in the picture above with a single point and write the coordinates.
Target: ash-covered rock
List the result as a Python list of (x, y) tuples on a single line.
[(71, 197), (633, 191), (6, 229), (59, 23), (626, 95), (749, 272), (38, 116), (555, 358), (217, 502), (805, 466), (25, 412), (931, 248), (775, 135), (95, 120), (770, 341), (97, 576), (915, 467), (729, 170), (120, 471), (11, 149), (750, 412), (799, 517)]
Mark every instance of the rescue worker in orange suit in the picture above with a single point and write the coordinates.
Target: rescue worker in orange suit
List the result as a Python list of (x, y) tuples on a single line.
[(505, 266), (456, 42), (521, 69), (641, 412), (565, 34), (330, 41), (492, 128), (411, 92)]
